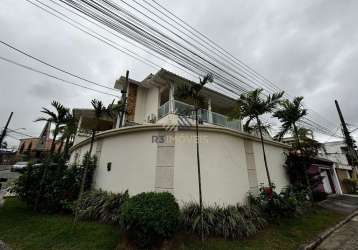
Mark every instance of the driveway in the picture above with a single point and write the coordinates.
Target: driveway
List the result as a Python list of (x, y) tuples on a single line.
[(342, 203)]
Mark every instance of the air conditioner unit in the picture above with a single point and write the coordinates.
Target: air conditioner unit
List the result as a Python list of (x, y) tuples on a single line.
[(152, 118)]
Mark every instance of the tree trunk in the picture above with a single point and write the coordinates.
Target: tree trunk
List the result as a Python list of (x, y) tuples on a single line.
[(199, 174), (263, 151), (60, 147), (65, 150), (53, 143), (305, 163), (84, 176)]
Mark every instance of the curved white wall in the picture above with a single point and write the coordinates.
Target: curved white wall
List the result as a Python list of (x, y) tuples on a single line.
[(140, 165), (223, 169)]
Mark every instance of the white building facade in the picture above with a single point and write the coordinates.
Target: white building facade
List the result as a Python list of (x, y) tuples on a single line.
[(336, 152), (155, 150)]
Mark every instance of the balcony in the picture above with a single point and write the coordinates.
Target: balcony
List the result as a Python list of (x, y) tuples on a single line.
[(184, 109)]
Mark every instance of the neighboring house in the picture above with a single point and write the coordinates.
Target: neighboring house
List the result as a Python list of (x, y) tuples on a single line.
[(337, 153), (320, 165), (155, 149), (7, 156), (37, 148)]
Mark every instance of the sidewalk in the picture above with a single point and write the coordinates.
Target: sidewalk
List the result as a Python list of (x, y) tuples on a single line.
[(344, 238)]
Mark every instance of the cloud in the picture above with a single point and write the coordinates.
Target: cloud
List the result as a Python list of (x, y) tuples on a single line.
[(308, 48)]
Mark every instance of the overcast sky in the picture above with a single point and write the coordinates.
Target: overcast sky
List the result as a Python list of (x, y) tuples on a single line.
[(308, 48)]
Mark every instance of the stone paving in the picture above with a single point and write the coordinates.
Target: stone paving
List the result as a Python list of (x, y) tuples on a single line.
[(345, 238)]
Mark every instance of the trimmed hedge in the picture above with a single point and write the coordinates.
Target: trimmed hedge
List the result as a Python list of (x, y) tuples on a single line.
[(149, 218)]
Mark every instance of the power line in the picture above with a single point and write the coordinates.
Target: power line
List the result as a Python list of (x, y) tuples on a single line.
[(217, 47), (55, 67), (21, 133), (54, 77), (143, 33)]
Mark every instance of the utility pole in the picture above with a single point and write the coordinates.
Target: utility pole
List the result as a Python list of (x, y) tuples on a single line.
[(3, 134), (348, 139), (124, 99)]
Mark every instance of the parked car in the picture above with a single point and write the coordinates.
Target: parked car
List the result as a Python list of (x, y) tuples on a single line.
[(19, 166), (8, 192)]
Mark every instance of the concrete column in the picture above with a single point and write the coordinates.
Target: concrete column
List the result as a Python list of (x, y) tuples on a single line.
[(79, 125), (210, 115), (336, 182), (171, 99), (251, 167), (164, 170)]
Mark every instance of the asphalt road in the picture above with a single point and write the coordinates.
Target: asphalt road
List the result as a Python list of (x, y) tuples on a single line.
[(10, 176)]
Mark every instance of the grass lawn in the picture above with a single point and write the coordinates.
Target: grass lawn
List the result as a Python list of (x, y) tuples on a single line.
[(23, 229), (290, 234)]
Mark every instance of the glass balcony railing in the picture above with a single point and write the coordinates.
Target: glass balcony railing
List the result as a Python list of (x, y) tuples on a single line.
[(184, 109)]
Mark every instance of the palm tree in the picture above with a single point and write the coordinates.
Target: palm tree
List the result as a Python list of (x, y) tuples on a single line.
[(99, 111), (289, 114), (114, 109), (192, 92), (68, 133), (251, 105), (58, 118)]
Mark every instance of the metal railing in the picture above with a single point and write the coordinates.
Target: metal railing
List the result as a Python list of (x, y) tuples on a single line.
[(184, 109)]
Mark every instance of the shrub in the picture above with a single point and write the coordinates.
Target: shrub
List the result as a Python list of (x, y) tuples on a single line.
[(351, 185), (230, 222), (289, 202), (50, 186), (101, 206), (148, 218)]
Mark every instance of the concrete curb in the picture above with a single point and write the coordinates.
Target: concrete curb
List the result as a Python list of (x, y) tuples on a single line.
[(322, 236)]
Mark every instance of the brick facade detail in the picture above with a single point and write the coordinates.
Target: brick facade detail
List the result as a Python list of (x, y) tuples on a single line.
[(131, 101)]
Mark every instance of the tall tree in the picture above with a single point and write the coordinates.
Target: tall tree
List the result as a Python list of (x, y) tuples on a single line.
[(289, 115), (251, 105), (58, 118), (114, 110), (192, 92), (68, 132), (99, 111)]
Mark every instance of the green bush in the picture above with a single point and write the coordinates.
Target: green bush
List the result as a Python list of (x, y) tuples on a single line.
[(351, 185), (230, 222), (52, 185), (289, 202), (101, 206), (149, 218)]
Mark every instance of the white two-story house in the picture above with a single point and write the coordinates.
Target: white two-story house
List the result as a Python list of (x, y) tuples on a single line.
[(155, 150)]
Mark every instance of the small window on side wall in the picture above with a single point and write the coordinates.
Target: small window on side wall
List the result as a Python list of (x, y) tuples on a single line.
[(109, 166)]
